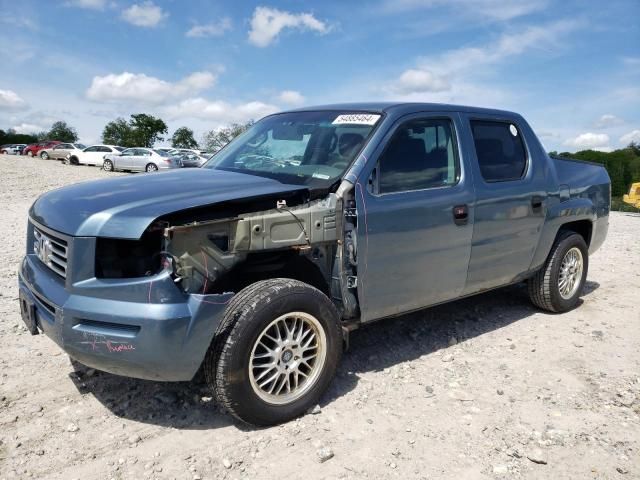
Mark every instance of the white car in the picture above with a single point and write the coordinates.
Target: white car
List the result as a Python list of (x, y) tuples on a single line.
[(93, 155), (140, 160)]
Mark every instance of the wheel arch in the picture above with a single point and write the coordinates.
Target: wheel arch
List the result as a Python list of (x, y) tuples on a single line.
[(582, 227), (286, 264)]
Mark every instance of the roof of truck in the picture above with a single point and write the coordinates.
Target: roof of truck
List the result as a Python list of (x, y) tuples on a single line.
[(405, 107)]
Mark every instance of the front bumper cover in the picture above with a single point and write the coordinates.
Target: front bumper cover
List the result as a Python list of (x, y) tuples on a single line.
[(160, 333)]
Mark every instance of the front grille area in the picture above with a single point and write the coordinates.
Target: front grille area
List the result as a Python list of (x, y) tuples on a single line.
[(51, 251)]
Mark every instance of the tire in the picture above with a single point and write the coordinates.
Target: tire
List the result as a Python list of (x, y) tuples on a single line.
[(234, 374), (44, 155), (107, 166), (546, 289), (151, 167), (29, 153)]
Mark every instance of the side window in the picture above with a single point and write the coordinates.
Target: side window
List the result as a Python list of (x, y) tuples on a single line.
[(104, 149), (421, 154), (500, 150), (127, 153)]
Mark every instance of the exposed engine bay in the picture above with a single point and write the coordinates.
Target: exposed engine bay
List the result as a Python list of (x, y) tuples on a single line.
[(313, 240)]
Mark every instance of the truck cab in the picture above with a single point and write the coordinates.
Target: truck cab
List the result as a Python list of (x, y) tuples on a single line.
[(314, 222)]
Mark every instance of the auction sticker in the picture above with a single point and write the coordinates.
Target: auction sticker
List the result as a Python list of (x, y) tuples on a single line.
[(356, 119)]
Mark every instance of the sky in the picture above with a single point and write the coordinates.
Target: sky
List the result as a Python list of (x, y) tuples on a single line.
[(571, 67)]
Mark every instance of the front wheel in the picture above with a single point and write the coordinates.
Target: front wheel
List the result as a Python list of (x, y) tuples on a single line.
[(556, 287), (44, 156), (151, 167), (277, 349), (29, 153)]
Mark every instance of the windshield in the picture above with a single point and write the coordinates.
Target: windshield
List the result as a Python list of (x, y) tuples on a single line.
[(305, 148)]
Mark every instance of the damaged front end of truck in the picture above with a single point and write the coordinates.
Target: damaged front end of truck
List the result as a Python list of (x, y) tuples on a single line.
[(221, 249)]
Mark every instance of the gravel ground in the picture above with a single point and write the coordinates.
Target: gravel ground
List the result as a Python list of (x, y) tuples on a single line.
[(487, 387)]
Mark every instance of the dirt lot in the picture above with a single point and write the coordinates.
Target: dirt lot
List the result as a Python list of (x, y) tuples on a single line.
[(486, 387)]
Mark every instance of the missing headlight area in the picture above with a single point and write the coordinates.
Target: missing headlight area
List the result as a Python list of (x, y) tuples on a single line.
[(119, 258)]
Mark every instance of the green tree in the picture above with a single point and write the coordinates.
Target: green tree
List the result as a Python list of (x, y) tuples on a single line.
[(141, 130), (214, 140), (147, 129), (118, 132), (623, 166), (10, 136), (183, 138), (62, 132)]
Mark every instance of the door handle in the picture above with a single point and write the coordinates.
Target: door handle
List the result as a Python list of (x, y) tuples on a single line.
[(536, 202), (460, 214)]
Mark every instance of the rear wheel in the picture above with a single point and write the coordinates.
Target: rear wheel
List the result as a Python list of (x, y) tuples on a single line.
[(151, 167), (107, 166), (277, 350), (29, 153), (557, 286)]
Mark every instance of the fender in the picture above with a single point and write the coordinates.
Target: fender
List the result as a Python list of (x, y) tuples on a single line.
[(572, 210)]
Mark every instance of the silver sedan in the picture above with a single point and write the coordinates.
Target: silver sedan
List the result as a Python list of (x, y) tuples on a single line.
[(140, 160)]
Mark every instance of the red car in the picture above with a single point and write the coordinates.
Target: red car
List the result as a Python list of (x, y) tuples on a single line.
[(34, 148)]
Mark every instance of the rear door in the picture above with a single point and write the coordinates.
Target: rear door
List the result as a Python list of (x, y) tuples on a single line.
[(415, 218), (511, 197), (140, 159), (89, 155), (62, 150)]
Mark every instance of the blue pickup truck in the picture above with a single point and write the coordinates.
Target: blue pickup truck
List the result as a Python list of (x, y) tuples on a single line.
[(254, 268)]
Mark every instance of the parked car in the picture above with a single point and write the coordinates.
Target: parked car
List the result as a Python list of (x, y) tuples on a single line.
[(93, 155), (19, 147), (140, 160), (35, 148), (190, 160), (315, 222), (12, 148), (187, 150), (62, 151)]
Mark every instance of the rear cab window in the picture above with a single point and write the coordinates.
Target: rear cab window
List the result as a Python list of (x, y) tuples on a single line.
[(500, 150)]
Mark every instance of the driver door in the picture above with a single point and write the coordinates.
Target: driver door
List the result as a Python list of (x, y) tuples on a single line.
[(415, 218)]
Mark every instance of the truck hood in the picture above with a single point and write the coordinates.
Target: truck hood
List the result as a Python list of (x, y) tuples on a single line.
[(123, 207)]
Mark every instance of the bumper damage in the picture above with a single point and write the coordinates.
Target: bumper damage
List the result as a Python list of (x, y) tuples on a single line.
[(158, 333)]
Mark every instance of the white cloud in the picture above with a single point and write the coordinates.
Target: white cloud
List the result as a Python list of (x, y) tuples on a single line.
[(490, 9), (216, 29), (90, 4), (291, 97), (632, 136), (141, 88), (27, 128), (608, 120), (10, 100), (416, 80), (631, 61), (508, 45), (445, 77), (589, 141), (219, 111), (267, 23), (145, 14)]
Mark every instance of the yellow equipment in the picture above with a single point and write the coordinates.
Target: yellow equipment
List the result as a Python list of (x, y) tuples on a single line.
[(633, 198)]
